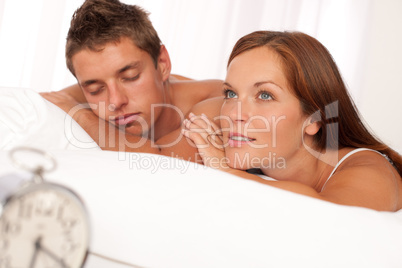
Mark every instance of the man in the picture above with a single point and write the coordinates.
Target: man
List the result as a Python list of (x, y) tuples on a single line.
[(123, 74)]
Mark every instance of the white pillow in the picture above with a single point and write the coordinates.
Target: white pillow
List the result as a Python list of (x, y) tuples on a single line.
[(28, 119)]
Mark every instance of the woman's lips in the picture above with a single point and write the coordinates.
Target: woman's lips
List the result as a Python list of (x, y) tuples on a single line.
[(125, 119), (237, 139)]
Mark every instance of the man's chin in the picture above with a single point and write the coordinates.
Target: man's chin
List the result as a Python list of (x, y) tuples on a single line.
[(136, 131), (133, 129)]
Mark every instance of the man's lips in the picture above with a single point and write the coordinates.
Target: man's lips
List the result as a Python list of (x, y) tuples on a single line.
[(125, 119)]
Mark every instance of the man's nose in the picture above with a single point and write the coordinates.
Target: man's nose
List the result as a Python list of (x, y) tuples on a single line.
[(117, 97)]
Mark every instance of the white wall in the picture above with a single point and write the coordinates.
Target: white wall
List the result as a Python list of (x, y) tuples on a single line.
[(381, 94), (364, 37)]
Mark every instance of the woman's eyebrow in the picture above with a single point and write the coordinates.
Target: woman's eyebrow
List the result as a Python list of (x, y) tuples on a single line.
[(258, 84), (227, 84)]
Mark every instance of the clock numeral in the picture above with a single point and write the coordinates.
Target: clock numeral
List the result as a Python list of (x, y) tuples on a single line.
[(60, 212), (45, 209), (8, 228), (69, 246), (68, 224), (25, 210), (12, 228)]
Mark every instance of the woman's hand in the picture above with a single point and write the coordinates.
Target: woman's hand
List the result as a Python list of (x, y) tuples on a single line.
[(207, 137)]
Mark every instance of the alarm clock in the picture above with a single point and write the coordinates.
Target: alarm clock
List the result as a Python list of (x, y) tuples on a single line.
[(42, 224)]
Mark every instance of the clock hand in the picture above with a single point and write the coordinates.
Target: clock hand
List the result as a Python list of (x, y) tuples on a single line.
[(53, 256), (35, 254)]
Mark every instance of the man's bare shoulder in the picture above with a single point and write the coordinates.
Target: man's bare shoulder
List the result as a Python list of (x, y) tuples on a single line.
[(209, 88), (187, 93), (210, 107), (203, 89)]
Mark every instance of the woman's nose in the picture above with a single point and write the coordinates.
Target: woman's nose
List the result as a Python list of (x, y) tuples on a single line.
[(239, 112)]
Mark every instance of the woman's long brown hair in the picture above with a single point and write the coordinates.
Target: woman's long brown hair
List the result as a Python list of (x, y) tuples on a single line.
[(316, 81)]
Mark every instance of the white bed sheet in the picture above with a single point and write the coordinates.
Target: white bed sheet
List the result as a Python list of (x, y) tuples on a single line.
[(179, 214)]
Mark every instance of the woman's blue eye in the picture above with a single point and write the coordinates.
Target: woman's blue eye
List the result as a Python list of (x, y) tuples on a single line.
[(229, 94), (265, 96)]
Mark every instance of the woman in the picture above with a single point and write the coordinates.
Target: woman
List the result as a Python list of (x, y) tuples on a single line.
[(287, 112)]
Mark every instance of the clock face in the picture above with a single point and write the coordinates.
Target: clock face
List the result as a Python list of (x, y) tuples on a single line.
[(44, 225)]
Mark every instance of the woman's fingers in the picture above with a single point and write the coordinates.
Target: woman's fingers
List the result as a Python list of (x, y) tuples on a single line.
[(202, 131), (200, 122), (195, 133), (215, 133), (207, 137)]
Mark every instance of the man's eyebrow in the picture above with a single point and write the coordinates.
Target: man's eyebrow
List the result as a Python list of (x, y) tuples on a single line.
[(133, 65), (89, 82)]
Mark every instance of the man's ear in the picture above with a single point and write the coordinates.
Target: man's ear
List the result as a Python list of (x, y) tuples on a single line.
[(164, 63)]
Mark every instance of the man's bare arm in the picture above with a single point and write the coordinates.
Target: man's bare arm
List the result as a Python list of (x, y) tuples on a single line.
[(108, 137), (111, 138), (75, 92)]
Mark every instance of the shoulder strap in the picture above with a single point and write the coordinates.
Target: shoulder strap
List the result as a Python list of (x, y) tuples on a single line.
[(343, 159)]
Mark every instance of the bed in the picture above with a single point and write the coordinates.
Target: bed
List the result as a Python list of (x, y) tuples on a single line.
[(155, 211)]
